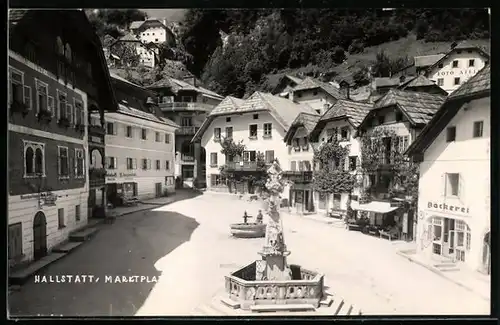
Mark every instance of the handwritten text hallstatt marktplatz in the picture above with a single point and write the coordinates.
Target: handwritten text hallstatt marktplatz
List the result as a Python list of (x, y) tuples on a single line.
[(86, 278)]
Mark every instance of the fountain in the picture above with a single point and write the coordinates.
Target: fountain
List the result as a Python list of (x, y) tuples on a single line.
[(248, 230), (270, 283)]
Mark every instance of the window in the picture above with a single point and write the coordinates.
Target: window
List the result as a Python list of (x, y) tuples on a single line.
[(471, 62), (60, 218), (229, 132), (457, 81), (217, 180), (41, 96), (167, 164), (217, 134), (144, 134), (352, 163), (69, 114), (252, 129), (402, 143), (451, 133), (440, 82), (145, 164), (15, 240), (318, 111), (296, 144), (167, 137), (344, 133), (158, 164), (111, 162), (305, 144), (34, 159), (157, 137), (77, 212), (455, 64), (186, 121), (63, 167), (228, 119), (79, 163), (79, 112), (268, 129), (110, 128), (249, 155), (269, 156), (67, 53), (293, 166), (16, 86), (213, 159), (131, 163), (256, 116), (128, 132), (478, 129), (452, 184), (61, 105)]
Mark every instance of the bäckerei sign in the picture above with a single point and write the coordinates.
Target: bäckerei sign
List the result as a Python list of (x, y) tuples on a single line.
[(445, 207)]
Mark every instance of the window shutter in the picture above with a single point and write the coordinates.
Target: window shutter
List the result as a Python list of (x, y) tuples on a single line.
[(58, 103), (27, 96), (443, 185), (107, 162), (75, 162), (149, 163), (115, 128), (59, 161), (50, 105), (134, 163), (461, 188), (69, 108)]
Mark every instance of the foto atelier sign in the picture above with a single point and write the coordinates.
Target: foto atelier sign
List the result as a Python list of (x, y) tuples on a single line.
[(446, 207), (466, 72)]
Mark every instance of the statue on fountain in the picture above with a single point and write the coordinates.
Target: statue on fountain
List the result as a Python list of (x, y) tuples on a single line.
[(273, 265)]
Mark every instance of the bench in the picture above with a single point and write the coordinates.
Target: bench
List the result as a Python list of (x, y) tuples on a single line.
[(389, 234)]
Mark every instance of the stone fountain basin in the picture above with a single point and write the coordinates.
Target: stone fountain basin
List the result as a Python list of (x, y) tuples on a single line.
[(248, 230), (306, 287)]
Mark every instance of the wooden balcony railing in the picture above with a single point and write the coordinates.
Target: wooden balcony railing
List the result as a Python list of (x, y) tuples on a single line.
[(298, 176), (187, 130), (242, 165), (186, 106)]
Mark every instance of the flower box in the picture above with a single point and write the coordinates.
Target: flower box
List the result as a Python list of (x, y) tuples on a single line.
[(45, 115), (64, 121), (18, 107)]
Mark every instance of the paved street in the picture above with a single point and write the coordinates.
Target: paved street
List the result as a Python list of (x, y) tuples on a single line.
[(189, 243)]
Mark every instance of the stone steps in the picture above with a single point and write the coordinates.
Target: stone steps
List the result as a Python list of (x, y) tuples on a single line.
[(66, 247), (21, 276), (83, 235)]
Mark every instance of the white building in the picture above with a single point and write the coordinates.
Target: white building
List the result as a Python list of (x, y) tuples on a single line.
[(152, 30), (454, 186), (140, 147), (457, 66), (260, 122), (341, 120), (319, 95)]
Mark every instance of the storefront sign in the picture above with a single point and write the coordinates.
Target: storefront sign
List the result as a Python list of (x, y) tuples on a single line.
[(110, 174), (49, 199), (466, 72), (446, 207), (127, 174)]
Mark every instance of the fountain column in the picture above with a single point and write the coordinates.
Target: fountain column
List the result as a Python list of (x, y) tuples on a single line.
[(273, 265)]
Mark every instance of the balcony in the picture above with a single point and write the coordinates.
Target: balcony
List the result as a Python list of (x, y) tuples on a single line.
[(242, 166), (97, 177), (187, 130), (185, 106), (187, 158), (298, 176)]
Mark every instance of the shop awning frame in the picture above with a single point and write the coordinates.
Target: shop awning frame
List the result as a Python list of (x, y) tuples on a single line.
[(374, 206)]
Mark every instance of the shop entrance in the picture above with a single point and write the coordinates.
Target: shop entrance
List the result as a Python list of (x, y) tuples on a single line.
[(451, 238)]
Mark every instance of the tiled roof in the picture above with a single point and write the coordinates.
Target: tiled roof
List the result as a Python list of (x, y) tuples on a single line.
[(354, 111), (129, 38), (418, 81), (297, 80), (129, 110), (476, 85), (117, 77), (283, 110), (480, 82), (310, 83), (307, 120), (418, 106), (176, 85), (427, 60), (136, 24), (386, 82)]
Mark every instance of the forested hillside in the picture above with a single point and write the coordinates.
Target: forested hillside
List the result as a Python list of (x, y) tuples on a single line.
[(317, 41)]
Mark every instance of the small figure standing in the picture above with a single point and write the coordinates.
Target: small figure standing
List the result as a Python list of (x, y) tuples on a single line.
[(260, 217), (245, 217)]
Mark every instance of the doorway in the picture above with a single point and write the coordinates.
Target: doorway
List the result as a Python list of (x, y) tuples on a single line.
[(39, 236), (158, 189), (451, 238)]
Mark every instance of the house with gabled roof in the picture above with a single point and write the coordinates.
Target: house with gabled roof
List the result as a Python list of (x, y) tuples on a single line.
[(458, 65), (148, 52), (317, 94), (421, 84), (260, 122), (285, 85), (453, 152), (152, 30), (396, 119), (342, 121)]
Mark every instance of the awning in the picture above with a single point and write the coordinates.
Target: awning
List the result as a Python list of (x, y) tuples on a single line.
[(374, 206)]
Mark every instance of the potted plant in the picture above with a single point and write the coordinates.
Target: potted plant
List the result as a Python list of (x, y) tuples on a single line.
[(64, 121), (45, 115), (19, 107)]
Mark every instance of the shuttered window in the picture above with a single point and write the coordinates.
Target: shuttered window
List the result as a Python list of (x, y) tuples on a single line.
[(15, 240), (269, 156)]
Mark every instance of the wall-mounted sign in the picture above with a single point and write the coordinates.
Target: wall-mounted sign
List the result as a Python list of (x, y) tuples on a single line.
[(446, 207), (49, 199), (95, 139), (466, 72), (110, 174), (127, 174)]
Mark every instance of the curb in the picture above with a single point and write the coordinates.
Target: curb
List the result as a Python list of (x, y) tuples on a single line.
[(441, 274)]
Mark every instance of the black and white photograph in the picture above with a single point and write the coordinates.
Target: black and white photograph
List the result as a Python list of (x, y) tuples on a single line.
[(228, 162)]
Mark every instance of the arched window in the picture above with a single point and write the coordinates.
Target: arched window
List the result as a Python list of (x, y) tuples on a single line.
[(38, 161), (68, 53), (60, 46), (28, 159)]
